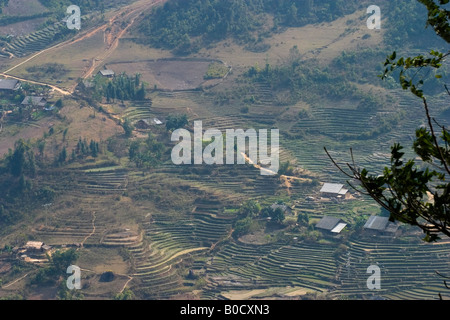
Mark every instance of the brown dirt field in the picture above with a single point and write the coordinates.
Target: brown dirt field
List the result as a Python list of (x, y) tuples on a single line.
[(23, 8), (167, 74), (26, 132), (22, 28)]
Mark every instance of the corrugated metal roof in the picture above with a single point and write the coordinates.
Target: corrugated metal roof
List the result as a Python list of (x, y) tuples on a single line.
[(107, 72), (339, 227), (8, 84), (331, 188), (328, 223), (376, 223), (34, 100)]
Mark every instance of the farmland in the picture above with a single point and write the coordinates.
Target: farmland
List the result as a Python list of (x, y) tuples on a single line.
[(168, 231)]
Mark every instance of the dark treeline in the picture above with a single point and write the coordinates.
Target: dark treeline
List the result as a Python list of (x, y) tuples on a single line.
[(174, 25), (121, 87)]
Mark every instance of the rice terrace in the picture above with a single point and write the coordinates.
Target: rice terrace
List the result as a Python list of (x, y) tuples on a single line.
[(89, 121)]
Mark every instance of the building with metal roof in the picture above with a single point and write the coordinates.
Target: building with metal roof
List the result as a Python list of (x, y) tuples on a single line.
[(107, 73), (380, 225), (34, 101), (9, 84), (333, 190), (331, 224)]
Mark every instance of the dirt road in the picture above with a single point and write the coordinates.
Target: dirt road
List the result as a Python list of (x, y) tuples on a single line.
[(133, 11)]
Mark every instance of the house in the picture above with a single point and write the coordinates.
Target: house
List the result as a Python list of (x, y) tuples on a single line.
[(331, 225), (335, 190), (377, 225), (9, 85), (34, 101), (142, 124), (146, 123), (283, 207), (108, 73), (34, 246)]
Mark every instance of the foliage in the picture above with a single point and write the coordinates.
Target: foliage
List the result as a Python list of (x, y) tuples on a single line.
[(51, 70), (59, 261), (404, 24), (176, 121), (84, 149), (127, 294), (242, 226), (275, 215), (303, 218), (216, 71), (147, 153), (250, 208), (286, 169), (294, 80), (416, 194), (122, 87), (186, 25), (128, 128), (21, 160)]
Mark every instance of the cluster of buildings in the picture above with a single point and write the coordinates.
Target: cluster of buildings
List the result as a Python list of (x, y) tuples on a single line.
[(11, 86), (32, 251), (374, 226)]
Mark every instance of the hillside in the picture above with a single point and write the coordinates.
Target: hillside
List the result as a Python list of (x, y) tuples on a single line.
[(90, 172)]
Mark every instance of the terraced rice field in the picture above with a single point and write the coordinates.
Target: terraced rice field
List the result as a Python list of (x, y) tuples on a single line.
[(36, 41), (407, 269)]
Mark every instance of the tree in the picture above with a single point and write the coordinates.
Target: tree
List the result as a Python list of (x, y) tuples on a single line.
[(250, 208), (277, 215), (242, 226), (21, 160), (303, 218), (126, 294), (146, 153), (59, 104), (177, 121), (127, 127), (415, 194), (62, 155)]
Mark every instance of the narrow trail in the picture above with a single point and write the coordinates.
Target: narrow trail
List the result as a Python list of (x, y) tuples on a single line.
[(286, 180), (126, 283), (213, 246), (93, 229), (17, 280)]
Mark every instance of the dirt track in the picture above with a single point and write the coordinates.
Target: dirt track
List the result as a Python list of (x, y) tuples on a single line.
[(132, 11)]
